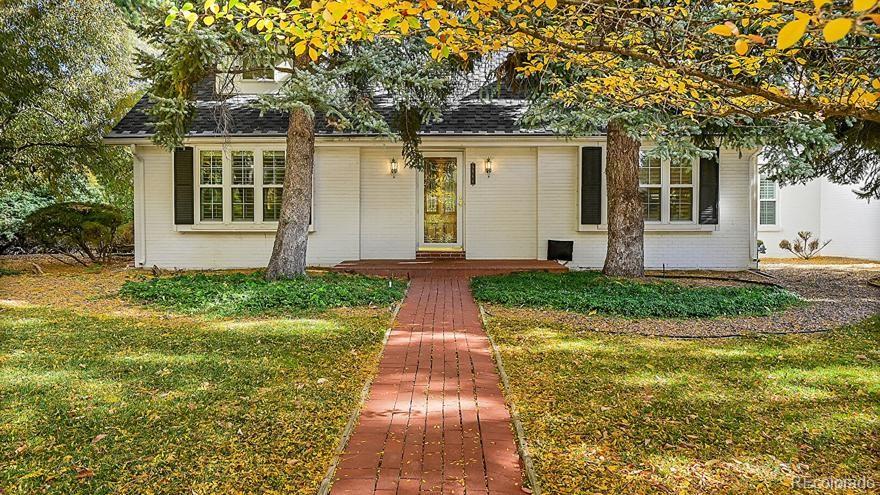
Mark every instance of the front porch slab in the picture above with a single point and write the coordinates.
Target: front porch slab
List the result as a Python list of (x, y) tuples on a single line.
[(464, 268)]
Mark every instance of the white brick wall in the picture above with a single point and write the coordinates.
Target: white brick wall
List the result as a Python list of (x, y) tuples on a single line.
[(501, 210), (388, 206), (362, 212), (728, 247), (336, 219)]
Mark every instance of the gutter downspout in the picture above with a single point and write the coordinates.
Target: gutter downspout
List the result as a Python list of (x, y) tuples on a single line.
[(754, 175), (140, 217)]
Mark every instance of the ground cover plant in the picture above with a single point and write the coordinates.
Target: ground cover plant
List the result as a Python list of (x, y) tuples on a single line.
[(237, 293), (628, 414), (95, 404), (591, 292)]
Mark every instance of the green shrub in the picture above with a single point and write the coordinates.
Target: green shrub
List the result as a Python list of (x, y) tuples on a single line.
[(589, 292), (235, 294), (15, 205), (81, 231)]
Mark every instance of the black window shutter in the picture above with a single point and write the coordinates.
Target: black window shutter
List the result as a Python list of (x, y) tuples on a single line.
[(591, 185), (709, 190), (184, 189)]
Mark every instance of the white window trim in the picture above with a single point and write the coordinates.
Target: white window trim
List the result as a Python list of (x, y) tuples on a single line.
[(664, 225), (228, 225), (774, 227)]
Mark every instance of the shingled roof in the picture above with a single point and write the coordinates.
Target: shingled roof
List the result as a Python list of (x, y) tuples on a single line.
[(474, 114)]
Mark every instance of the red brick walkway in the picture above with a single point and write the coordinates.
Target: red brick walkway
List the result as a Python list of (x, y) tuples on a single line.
[(435, 420)]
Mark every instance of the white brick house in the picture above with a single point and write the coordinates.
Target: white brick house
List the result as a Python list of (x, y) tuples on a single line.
[(493, 191)]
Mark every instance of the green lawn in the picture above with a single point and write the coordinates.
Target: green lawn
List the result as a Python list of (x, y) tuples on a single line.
[(624, 414), (94, 404), (593, 293), (243, 294)]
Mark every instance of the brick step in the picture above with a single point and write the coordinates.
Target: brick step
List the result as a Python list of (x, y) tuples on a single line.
[(440, 255)]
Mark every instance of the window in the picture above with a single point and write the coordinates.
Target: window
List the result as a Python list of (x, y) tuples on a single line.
[(668, 189), (261, 74), (242, 186), (768, 200), (681, 191), (273, 182), (211, 185), (650, 187)]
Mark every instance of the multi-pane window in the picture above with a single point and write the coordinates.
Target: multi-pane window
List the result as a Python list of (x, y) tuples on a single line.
[(211, 185), (273, 182), (668, 189), (651, 187), (768, 200), (681, 191), (242, 186)]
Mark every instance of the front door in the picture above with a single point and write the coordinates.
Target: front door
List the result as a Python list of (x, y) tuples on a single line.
[(441, 203)]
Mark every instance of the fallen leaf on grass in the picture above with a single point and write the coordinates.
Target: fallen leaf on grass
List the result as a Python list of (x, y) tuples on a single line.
[(83, 473), (98, 438)]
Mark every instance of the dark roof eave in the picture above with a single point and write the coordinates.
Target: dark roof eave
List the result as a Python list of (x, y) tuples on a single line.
[(115, 136)]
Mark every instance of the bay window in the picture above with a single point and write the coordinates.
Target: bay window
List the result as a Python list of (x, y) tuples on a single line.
[(668, 189)]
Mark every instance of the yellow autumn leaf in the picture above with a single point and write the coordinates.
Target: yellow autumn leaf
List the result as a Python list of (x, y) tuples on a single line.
[(863, 5), (741, 46), (337, 10), (551, 4), (313, 54), (792, 32), (722, 30), (208, 20), (820, 3), (434, 24), (299, 48), (837, 29)]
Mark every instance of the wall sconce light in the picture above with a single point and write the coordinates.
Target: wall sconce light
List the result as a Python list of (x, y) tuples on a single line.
[(488, 166), (394, 167)]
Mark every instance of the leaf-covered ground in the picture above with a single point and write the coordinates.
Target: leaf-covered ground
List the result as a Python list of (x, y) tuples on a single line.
[(101, 396), (592, 292), (251, 293), (627, 414)]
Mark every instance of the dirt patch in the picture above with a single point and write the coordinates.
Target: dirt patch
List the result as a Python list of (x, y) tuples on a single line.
[(834, 298)]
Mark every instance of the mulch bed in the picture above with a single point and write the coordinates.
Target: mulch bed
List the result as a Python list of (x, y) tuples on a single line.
[(835, 298)]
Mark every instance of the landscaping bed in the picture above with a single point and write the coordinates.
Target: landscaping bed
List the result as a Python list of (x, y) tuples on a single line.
[(631, 414), (593, 293), (830, 299), (251, 293)]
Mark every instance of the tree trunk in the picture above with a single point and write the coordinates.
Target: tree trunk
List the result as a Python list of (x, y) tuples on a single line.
[(626, 226), (289, 253)]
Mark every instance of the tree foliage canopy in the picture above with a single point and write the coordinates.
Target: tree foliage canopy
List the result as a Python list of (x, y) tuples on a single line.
[(60, 94), (346, 87), (800, 76)]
